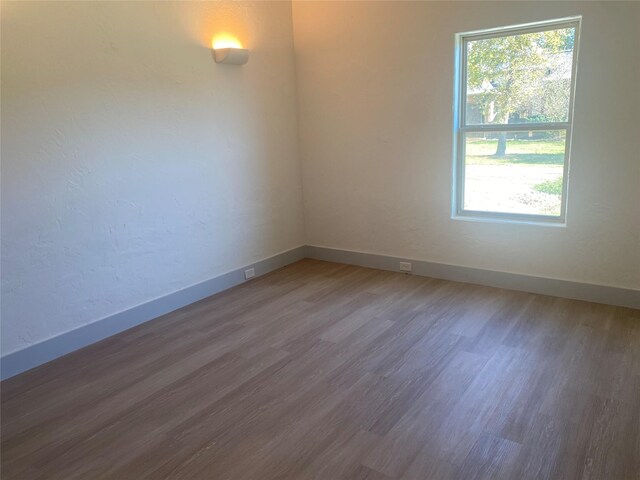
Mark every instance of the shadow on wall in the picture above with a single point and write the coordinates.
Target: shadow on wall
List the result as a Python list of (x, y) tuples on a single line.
[(133, 164)]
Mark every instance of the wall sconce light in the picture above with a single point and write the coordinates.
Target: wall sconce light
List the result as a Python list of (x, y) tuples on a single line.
[(227, 49), (231, 55)]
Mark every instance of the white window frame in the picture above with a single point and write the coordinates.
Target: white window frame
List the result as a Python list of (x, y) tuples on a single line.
[(460, 127)]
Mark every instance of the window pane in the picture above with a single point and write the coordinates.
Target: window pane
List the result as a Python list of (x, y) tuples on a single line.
[(520, 78), (514, 172)]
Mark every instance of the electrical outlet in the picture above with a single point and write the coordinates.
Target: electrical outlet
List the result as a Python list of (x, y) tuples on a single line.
[(405, 267), (249, 273)]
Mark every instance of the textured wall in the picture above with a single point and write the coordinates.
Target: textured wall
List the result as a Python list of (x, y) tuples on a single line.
[(375, 90), (132, 164)]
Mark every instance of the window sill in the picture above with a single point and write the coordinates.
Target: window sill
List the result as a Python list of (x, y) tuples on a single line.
[(509, 219)]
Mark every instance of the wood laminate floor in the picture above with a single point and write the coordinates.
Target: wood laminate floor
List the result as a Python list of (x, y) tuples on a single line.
[(329, 371)]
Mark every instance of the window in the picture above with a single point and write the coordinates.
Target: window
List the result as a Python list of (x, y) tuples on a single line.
[(513, 120)]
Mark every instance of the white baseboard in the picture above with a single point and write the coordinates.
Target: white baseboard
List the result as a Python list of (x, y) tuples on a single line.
[(512, 281), (47, 350)]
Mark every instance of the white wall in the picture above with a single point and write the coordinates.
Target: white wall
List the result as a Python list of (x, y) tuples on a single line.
[(132, 164), (375, 83)]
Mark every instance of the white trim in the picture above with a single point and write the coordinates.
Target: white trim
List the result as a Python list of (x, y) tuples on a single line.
[(510, 281), (478, 217), (569, 137), (461, 128), (514, 127), (34, 355), (531, 27), (52, 348), (505, 217)]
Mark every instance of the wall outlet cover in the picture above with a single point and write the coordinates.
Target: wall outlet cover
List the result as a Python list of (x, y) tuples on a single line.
[(249, 273), (405, 266)]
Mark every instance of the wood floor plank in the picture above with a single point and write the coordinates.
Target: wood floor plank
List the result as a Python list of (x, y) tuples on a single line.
[(328, 371), (491, 458), (426, 467), (394, 453), (546, 448)]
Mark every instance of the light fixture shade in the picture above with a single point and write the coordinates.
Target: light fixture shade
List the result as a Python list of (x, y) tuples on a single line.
[(232, 56)]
